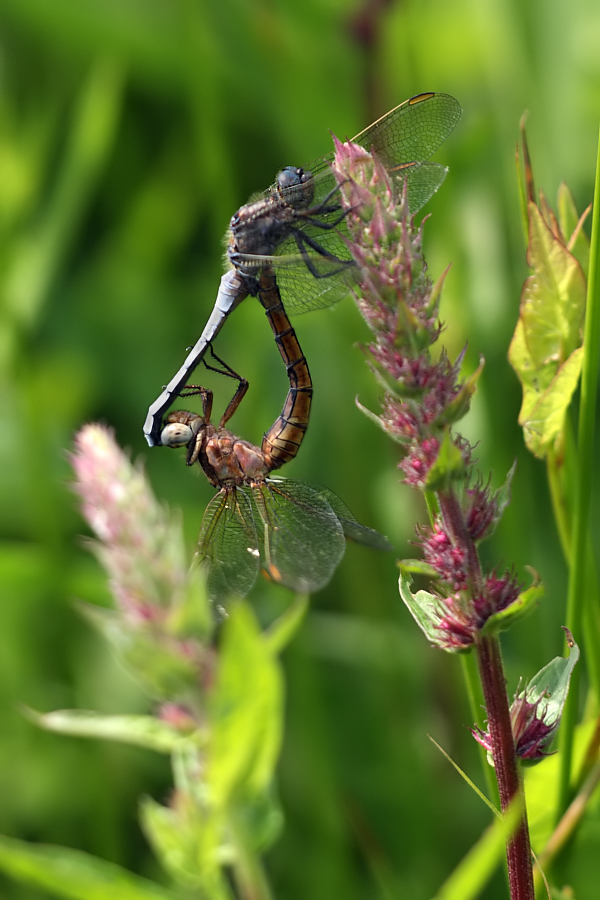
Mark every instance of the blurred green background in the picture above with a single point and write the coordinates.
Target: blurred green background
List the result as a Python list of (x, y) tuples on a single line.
[(130, 131)]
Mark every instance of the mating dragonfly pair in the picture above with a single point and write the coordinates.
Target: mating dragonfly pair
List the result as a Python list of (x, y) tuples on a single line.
[(290, 238)]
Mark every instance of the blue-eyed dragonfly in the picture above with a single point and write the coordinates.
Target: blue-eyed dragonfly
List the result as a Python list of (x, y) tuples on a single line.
[(293, 531), (296, 227)]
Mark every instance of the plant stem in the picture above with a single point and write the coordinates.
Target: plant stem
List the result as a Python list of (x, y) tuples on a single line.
[(455, 523), (581, 512), (518, 850), (248, 872), (477, 709), (491, 673)]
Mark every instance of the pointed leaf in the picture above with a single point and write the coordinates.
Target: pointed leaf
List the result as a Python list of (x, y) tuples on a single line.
[(140, 731), (525, 603), (474, 871), (73, 874), (189, 845), (543, 414), (553, 299), (246, 711), (552, 683), (417, 567), (459, 405), (448, 465), (283, 629), (571, 224), (423, 606)]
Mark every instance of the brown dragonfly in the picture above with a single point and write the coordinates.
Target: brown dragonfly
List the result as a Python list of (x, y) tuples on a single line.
[(282, 441), (296, 228), (294, 532)]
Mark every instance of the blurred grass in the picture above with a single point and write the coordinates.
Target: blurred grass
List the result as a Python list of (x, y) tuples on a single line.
[(130, 131)]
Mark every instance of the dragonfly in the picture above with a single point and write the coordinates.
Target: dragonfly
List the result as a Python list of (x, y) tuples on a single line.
[(295, 532), (296, 227), (282, 441)]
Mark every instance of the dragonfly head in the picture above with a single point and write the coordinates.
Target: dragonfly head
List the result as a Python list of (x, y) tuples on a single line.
[(296, 186), (184, 429)]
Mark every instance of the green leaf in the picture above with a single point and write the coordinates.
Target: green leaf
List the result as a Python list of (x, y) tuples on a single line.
[(246, 711), (189, 841), (543, 413), (525, 603), (542, 784), (140, 731), (73, 874), (545, 350), (551, 684), (553, 301), (460, 403), (377, 420), (571, 225), (283, 629), (448, 465), (503, 493), (417, 567), (475, 870), (423, 606)]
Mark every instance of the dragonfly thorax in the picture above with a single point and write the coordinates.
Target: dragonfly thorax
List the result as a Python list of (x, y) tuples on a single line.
[(257, 229), (229, 460)]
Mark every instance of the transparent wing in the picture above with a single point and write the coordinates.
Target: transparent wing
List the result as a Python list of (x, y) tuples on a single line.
[(303, 289), (303, 541), (320, 272), (405, 137), (229, 546), (413, 131), (350, 524)]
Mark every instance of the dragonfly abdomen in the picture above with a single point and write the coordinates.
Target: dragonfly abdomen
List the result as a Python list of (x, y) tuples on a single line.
[(282, 441)]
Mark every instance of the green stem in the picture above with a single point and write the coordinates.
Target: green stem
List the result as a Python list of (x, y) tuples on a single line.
[(581, 512), (248, 871), (557, 495)]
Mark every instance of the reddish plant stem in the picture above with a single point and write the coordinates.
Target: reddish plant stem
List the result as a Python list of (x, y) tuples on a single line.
[(454, 521), (518, 849)]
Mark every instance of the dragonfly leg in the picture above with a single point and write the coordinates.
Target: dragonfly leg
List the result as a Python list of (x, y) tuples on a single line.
[(240, 390), (234, 402), (325, 226), (322, 206), (302, 240), (196, 390)]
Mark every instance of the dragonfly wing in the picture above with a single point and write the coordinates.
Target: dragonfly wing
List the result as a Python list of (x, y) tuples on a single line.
[(229, 546), (303, 540), (413, 131), (423, 181), (350, 524), (302, 289)]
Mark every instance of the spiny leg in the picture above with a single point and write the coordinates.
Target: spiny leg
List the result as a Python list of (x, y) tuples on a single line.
[(302, 240), (240, 390)]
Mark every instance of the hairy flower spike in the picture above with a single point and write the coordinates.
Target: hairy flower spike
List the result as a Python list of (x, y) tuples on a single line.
[(140, 548), (398, 302), (423, 397), (162, 620)]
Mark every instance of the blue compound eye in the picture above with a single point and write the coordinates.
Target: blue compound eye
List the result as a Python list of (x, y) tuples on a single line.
[(296, 186)]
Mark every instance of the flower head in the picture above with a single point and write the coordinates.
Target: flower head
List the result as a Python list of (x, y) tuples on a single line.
[(161, 624)]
